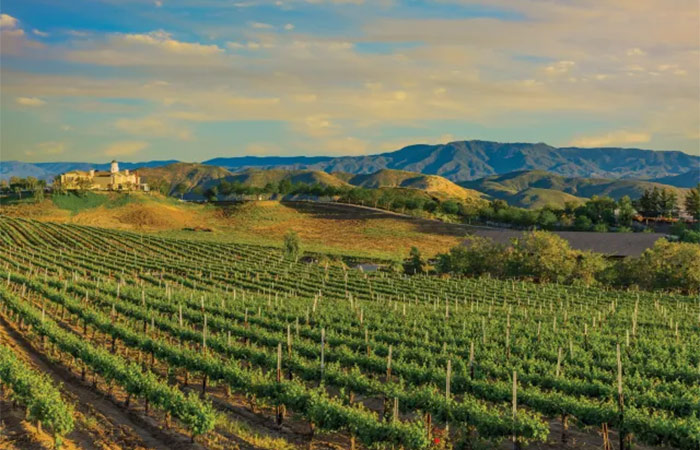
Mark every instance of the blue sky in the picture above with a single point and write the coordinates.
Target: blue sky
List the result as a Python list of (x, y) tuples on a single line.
[(195, 79)]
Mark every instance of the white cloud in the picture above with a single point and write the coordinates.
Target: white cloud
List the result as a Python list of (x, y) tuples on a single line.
[(560, 67), (620, 137), (124, 148), (289, 27), (40, 33), (158, 3), (30, 101), (261, 26), (636, 52), (7, 21), (164, 41)]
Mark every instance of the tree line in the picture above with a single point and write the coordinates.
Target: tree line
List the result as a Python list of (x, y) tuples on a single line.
[(545, 257)]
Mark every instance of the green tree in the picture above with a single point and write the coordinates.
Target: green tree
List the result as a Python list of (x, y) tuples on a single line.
[(583, 223), (475, 257), (180, 189), (667, 265), (292, 246), (450, 207), (625, 211), (542, 256), (692, 202), (668, 203), (415, 263), (546, 219)]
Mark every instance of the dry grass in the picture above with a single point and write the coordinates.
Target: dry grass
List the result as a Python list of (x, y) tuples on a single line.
[(327, 229)]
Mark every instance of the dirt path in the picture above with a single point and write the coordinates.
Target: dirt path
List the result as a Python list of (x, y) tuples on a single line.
[(100, 423)]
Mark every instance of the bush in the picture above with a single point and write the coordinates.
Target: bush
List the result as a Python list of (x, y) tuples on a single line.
[(667, 265), (292, 246), (542, 256), (415, 263), (475, 257)]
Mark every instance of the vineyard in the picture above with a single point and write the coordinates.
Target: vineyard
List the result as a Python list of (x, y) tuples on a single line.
[(191, 333)]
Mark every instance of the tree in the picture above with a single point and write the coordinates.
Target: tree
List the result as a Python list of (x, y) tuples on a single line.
[(583, 223), (542, 256), (668, 203), (83, 185), (415, 263), (180, 189), (292, 246), (625, 211), (546, 219), (212, 193), (475, 257), (692, 202), (450, 207), (667, 265)]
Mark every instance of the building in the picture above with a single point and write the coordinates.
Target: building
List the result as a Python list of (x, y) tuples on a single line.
[(102, 180)]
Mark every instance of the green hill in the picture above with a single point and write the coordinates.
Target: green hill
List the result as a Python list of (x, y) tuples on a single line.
[(689, 179), (260, 177), (432, 184), (531, 189), (189, 174)]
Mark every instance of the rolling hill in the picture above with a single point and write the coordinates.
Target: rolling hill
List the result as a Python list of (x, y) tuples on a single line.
[(532, 189), (260, 177), (431, 184), (688, 179), (190, 174)]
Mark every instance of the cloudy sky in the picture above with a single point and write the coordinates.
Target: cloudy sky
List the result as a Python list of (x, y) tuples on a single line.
[(93, 80)]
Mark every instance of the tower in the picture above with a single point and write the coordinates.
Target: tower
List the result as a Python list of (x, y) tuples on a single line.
[(115, 167)]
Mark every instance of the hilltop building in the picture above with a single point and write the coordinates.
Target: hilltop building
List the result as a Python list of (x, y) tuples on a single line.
[(102, 180)]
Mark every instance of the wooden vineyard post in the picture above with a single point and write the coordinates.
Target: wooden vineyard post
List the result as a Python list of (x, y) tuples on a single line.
[(289, 340), (471, 360), (388, 365), (607, 445), (280, 412), (323, 343), (395, 412), (620, 400), (447, 394), (558, 363), (367, 342), (516, 445)]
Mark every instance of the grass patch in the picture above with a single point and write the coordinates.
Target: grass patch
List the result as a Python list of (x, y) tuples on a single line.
[(76, 203)]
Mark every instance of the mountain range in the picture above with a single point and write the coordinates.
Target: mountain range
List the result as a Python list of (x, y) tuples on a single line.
[(536, 188), (457, 161)]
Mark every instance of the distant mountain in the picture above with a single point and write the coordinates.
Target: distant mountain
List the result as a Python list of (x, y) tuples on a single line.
[(468, 160), (533, 189), (456, 161), (688, 179)]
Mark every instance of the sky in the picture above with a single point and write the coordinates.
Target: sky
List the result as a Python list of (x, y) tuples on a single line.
[(137, 80)]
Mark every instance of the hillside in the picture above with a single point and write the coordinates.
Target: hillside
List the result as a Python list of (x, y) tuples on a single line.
[(190, 174), (431, 184), (688, 179), (531, 189), (260, 177), (534, 198)]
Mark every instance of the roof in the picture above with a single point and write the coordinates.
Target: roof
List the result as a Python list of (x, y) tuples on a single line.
[(611, 244)]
